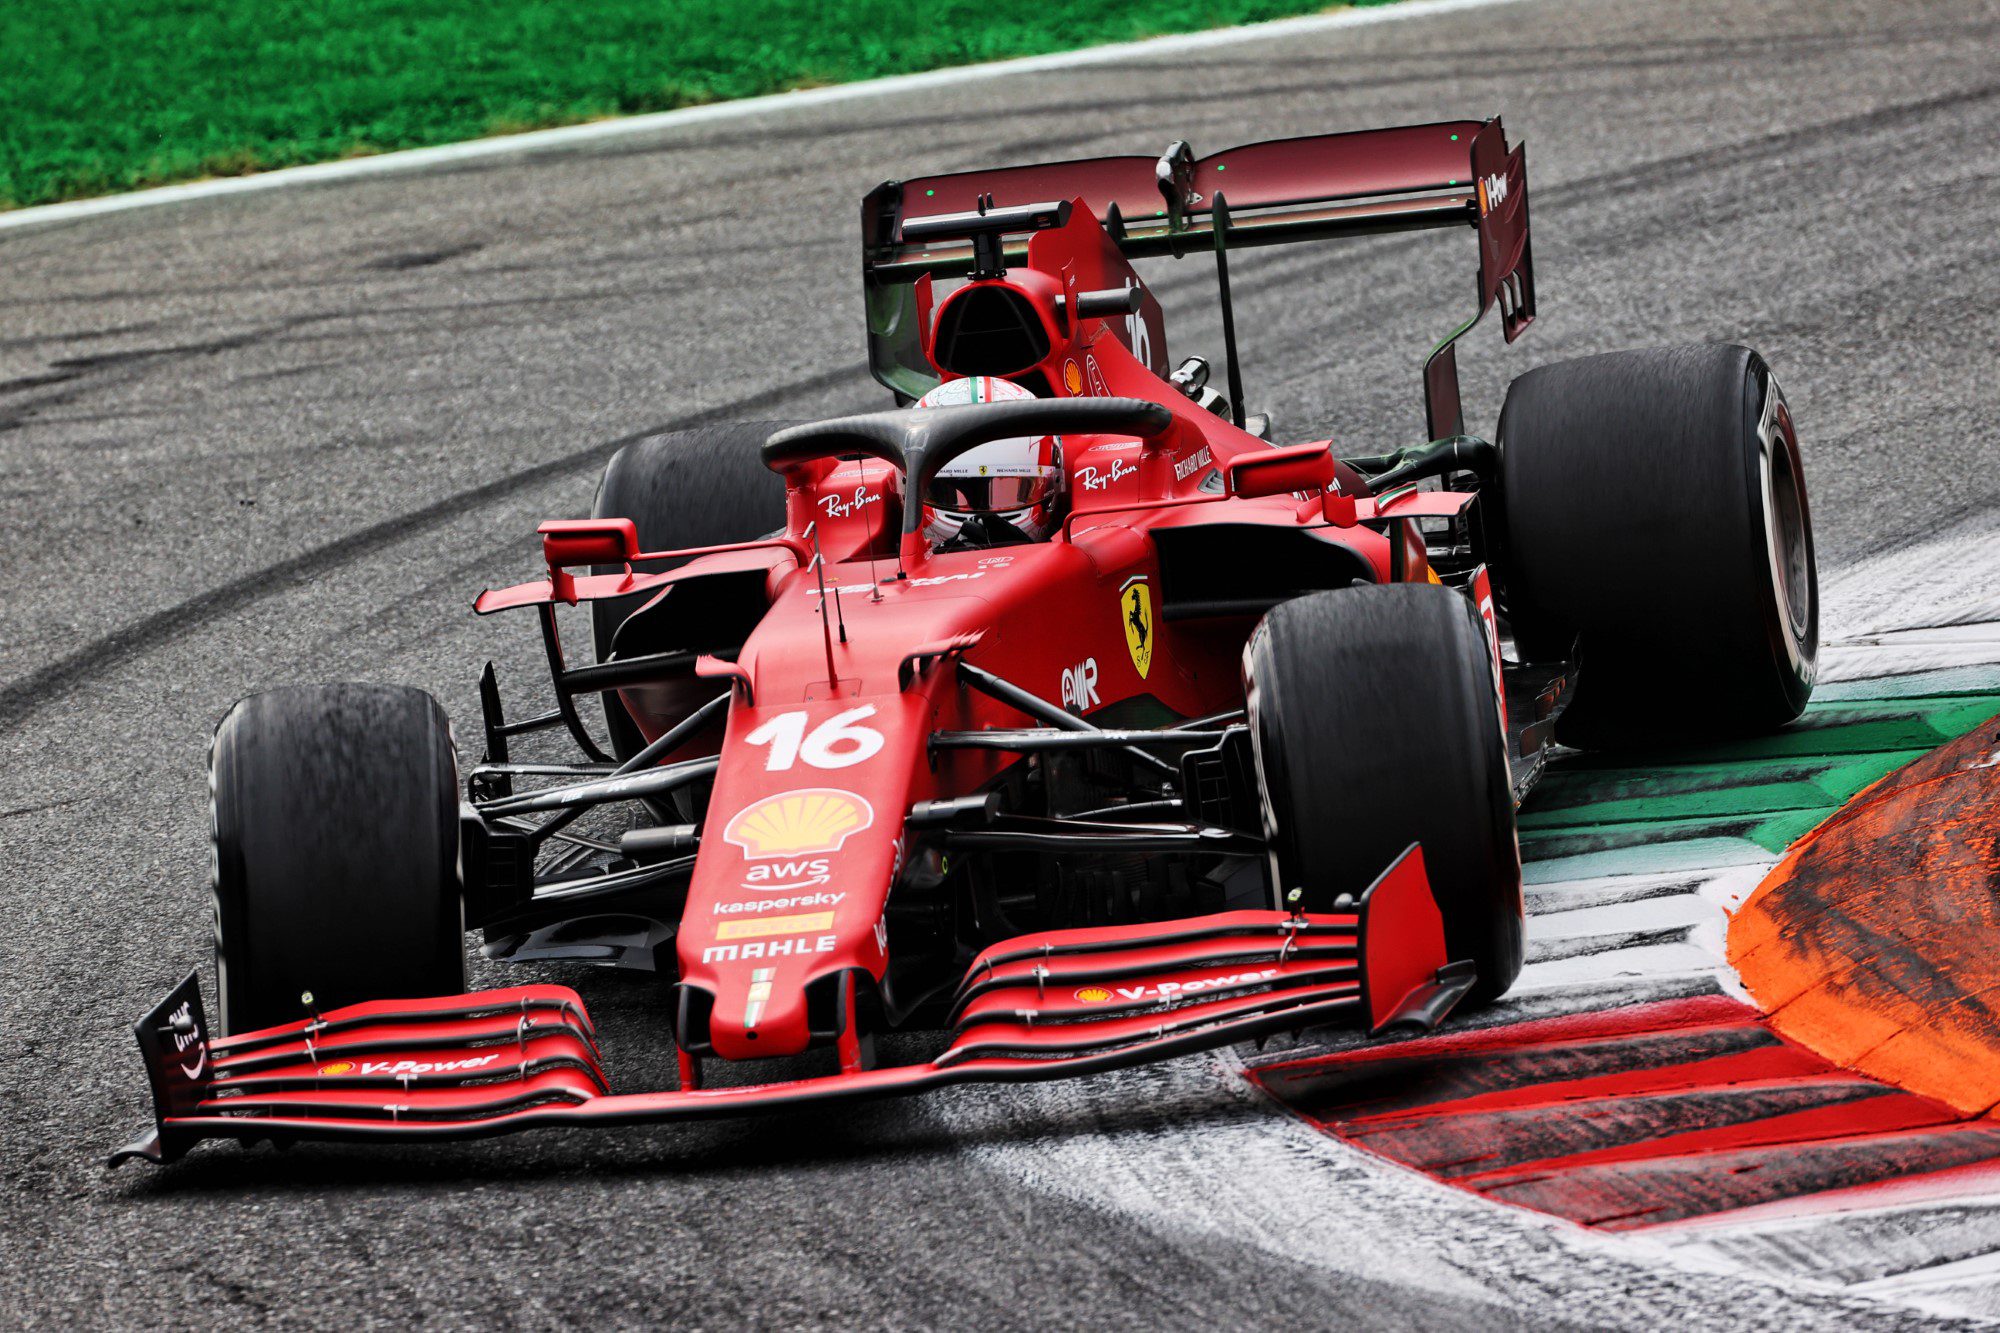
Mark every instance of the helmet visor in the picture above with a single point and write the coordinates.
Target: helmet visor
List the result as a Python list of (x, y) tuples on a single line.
[(973, 495)]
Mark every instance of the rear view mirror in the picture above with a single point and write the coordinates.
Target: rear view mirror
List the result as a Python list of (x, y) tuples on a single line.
[(570, 542), (1297, 467)]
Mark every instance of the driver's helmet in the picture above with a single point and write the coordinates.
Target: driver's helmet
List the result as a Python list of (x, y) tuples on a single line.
[(1018, 480)]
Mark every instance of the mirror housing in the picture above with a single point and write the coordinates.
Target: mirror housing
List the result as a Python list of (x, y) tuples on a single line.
[(570, 542), (1296, 467)]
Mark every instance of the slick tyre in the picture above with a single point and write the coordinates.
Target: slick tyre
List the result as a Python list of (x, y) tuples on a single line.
[(700, 487), (1375, 724), (1655, 517), (336, 851)]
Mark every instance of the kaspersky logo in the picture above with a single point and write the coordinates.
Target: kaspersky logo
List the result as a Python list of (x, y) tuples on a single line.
[(402, 1068)]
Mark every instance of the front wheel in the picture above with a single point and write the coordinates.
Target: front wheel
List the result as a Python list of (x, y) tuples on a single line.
[(336, 852), (1376, 724)]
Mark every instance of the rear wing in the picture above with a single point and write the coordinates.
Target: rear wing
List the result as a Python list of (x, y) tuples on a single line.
[(1409, 178)]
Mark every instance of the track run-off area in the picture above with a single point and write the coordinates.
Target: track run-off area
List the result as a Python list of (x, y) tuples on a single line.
[(286, 435)]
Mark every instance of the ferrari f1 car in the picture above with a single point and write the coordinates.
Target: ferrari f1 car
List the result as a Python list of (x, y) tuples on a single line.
[(1056, 712)]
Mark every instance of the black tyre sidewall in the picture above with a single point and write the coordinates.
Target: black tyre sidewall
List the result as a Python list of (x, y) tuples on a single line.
[(1632, 496), (334, 812), (1375, 723), (704, 486)]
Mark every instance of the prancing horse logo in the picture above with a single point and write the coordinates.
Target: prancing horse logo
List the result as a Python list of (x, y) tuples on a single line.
[(1135, 599)]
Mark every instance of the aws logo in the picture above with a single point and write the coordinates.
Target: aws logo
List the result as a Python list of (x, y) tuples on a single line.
[(1492, 192), (187, 1033), (788, 876)]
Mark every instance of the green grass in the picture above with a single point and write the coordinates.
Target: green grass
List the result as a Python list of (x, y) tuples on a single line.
[(98, 96)]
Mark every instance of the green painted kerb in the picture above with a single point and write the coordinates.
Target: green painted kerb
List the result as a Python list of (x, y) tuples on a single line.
[(1771, 791)]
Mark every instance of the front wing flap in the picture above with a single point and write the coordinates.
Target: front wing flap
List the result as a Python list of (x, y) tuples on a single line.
[(1055, 1005)]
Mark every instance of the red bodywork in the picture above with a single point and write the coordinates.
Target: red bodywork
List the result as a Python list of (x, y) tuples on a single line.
[(827, 746), (804, 841)]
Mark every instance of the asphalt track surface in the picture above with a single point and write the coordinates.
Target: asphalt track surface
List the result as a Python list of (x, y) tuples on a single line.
[(284, 437)]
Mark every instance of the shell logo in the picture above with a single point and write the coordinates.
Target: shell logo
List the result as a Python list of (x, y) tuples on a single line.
[(1093, 995), (799, 823), (338, 1067)]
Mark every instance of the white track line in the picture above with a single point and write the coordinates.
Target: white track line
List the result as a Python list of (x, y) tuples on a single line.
[(1975, 1276), (1932, 606), (567, 136)]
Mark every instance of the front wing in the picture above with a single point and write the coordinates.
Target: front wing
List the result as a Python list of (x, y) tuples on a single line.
[(1055, 1005)]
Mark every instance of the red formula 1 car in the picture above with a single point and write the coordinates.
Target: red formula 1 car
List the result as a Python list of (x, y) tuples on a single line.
[(1057, 711)]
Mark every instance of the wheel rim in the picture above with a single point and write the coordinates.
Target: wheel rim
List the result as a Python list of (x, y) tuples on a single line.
[(1788, 543)]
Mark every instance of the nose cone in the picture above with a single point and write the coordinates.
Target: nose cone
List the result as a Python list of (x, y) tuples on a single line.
[(801, 843), (761, 952)]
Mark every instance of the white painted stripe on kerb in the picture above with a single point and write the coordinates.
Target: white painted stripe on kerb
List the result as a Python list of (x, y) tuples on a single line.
[(419, 159)]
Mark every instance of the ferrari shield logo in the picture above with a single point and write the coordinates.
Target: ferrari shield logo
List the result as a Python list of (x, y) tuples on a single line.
[(1135, 604)]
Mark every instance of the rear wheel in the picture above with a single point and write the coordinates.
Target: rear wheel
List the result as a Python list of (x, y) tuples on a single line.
[(701, 487), (1376, 725), (336, 851), (1655, 518)]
